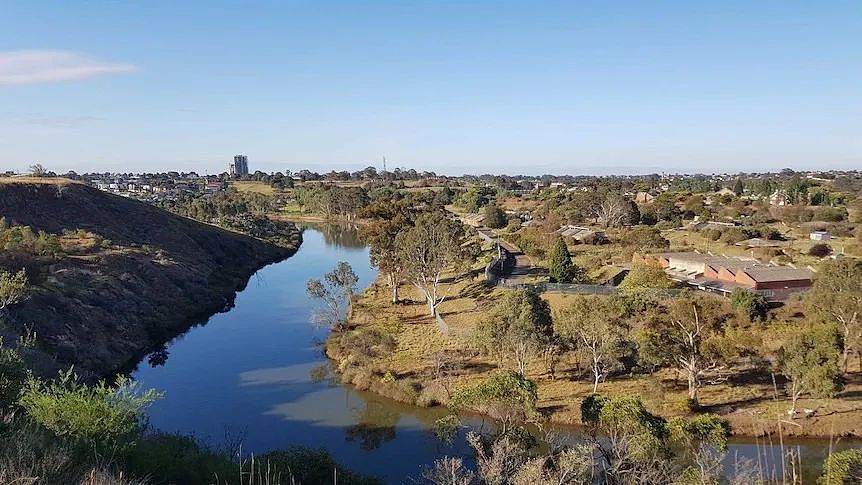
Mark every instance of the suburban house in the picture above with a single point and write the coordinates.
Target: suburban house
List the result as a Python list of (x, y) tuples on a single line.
[(757, 242), (820, 236), (473, 220), (778, 198), (645, 197), (578, 233), (723, 274), (212, 186), (699, 225)]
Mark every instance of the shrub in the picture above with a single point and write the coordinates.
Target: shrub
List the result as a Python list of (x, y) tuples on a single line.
[(98, 415), (28, 451), (364, 345), (766, 254), (839, 230), (530, 241), (594, 239), (13, 377), (711, 234), (664, 225), (398, 390), (649, 217), (13, 288), (829, 214), (560, 266), (361, 378), (771, 234), (820, 250), (507, 396), (513, 225), (751, 305), (626, 415), (733, 235), (643, 237), (306, 465), (173, 458), (842, 467), (495, 218), (784, 259), (646, 276), (504, 386), (432, 395)]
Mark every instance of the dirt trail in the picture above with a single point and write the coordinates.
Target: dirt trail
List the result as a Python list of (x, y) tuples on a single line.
[(523, 267)]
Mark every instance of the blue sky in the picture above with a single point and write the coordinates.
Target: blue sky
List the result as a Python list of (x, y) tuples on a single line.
[(456, 87)]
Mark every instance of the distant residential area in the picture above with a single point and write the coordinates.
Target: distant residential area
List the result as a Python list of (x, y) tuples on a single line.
[(762, 232)]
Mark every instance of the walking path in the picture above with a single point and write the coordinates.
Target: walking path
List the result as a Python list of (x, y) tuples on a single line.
[(523, 265)]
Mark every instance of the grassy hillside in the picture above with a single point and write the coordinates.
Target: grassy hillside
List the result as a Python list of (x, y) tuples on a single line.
[(112, 277)]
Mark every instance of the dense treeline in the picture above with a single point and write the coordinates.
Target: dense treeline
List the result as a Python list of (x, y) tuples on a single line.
[(334, 201), (244, 212)]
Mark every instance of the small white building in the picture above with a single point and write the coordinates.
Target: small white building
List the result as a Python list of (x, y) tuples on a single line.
[(820, 236)]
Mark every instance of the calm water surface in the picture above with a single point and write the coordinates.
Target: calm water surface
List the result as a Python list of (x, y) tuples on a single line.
[(246, 375)]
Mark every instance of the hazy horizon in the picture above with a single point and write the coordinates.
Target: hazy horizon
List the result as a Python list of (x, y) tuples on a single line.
[(355, 167), (454, 88)]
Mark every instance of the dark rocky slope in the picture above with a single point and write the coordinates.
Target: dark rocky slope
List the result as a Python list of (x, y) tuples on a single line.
[(155, 275)]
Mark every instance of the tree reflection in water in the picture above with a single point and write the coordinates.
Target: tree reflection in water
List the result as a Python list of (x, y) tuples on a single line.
[(158, 357), (324, 373), (375, 425), (342, 234)]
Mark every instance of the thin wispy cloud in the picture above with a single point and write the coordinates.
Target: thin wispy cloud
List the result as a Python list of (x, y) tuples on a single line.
[(48, 120), (48, 66)]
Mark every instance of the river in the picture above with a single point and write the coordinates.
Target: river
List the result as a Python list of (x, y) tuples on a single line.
[(246, 374)]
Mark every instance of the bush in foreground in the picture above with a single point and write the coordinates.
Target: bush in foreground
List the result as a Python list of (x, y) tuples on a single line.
[(99, 415)]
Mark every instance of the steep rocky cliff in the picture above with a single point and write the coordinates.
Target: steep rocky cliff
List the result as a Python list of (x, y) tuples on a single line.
[(127, 275)]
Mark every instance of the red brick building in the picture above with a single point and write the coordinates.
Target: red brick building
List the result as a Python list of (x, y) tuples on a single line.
[(722, 274)]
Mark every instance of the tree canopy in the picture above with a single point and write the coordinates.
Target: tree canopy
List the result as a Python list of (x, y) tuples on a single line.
[(428, 249), (335, 291), (495, 218), (646, 276), (518, 328), (809, 359), (594, 328), (836, 297), (561, 269), (690, 335)]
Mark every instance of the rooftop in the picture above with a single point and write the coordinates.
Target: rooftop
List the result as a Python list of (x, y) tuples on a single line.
[(777, 273)]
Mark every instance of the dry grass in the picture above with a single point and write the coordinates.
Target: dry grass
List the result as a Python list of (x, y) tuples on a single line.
[(748, 403), (38, 180), (252, 186), (80, 241), (796, 249), (518, 203)]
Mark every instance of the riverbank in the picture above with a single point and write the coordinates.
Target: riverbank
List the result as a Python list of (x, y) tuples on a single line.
[(415, 371), (111, 278)]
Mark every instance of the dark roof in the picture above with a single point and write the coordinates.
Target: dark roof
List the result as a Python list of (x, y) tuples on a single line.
[(777, 273)]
